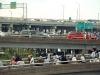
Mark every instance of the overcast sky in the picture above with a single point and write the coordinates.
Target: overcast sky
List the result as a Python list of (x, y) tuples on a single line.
[(53, 9)]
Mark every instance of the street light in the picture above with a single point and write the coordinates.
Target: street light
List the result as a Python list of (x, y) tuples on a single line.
[(78, 11), (10, 14), (98, 22), (98, 16), (11, 25), (63, 11)]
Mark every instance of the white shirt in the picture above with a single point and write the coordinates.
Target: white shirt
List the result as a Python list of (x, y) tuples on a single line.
[(74, 59), (32, 61), (83, 58), (93, 55), (99, 54)]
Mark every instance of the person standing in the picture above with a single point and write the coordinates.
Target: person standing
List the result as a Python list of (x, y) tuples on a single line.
[(31, 59)]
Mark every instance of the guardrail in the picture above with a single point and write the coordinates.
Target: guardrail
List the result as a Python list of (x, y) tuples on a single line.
[(30, 69), (55, 40)]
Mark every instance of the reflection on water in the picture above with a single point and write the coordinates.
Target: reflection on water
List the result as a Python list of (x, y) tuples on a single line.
[(82, 73)]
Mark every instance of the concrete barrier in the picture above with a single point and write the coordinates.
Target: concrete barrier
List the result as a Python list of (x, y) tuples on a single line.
[(48, 69)]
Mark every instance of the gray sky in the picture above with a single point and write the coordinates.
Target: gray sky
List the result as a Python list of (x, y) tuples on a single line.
[(53, 9)]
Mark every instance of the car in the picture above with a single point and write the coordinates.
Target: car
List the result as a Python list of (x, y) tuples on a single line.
[(75, 35), (33, 33), (42, 34), (81, 35)]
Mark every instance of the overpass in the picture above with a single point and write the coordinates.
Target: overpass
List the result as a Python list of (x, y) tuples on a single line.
[(16, 25)]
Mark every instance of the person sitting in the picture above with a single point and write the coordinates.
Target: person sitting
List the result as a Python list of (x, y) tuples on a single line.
[(82, 59), (19, 60), (13, 60), (74, 60), (63, 58), (56, 59), (31, 59), (40, 59), (93, 54)]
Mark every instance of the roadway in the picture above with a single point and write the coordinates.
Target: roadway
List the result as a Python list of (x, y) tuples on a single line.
[(47, 42)]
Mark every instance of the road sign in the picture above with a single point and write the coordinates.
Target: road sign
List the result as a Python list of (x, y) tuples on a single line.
[(13, 5), (0, 5), (83, 25)]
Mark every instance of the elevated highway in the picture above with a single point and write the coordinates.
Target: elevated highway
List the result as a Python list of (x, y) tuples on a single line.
[(54, 42), (38, 22)]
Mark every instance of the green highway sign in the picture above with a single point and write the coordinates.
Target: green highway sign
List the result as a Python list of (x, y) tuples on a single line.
[(83, 25), (13, 5), (0, 5)]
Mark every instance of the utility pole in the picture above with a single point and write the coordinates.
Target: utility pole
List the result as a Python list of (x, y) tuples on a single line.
[(98, 16), (63, 12), (11, 24), (77, 14), (78, 11), (24, 10), (98, 21)]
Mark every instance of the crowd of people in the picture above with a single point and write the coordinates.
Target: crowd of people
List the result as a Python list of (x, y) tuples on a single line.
[(16, 60), (57, 59)]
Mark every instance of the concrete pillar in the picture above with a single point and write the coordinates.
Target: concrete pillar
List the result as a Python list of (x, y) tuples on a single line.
[(37, 29), (0, 27), (71, 52), (64, 31), (10, 28), (46, 50), (47, 30), (29, 27), (50, 30), (58, 31), (44, 30), (53, 30)]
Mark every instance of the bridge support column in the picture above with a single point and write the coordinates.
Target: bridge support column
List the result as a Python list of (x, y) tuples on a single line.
[(47, 30), (0, 27), (44, 30), (29, 27), (53, 30), (37, 29), (64, 31), (10, 28), (46, 50)]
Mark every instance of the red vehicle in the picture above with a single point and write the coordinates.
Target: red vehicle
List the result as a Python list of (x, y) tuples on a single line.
[(91, 36), (75, 35), (80, 35)]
